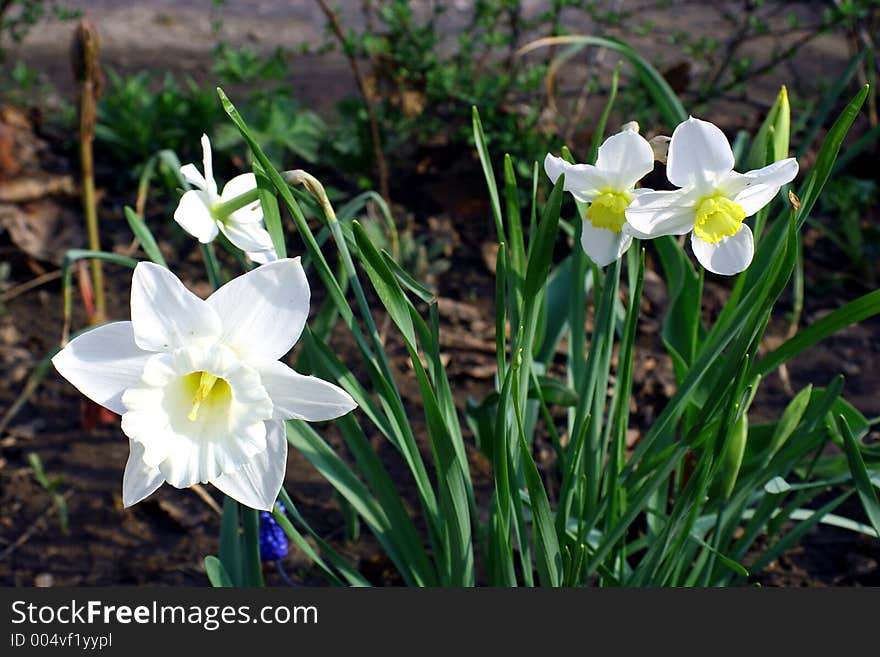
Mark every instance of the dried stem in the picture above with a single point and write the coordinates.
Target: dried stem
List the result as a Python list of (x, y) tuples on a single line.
[(89, 84)]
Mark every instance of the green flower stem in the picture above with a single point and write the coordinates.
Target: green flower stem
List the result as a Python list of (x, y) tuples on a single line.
[(212, 266), (223, 210)]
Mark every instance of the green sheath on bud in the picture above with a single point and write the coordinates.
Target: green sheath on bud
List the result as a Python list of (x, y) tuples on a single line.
[(732, 458)]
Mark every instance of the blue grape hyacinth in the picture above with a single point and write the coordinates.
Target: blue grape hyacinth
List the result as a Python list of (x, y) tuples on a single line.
[(273, 541)]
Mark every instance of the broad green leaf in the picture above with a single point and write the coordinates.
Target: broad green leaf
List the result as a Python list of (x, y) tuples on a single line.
[(486, 162), (777, 486), (230, 540), (348, 572), (789, 421), (821, 171), (554, 391), (853, 312), (341, 477), (252, 573), (217, 574), (547, 554), (771, 141), (300, 542), (861, 478), (385, 284), (541, 245)]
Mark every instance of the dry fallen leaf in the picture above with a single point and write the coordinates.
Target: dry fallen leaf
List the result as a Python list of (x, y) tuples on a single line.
[(43, 229)]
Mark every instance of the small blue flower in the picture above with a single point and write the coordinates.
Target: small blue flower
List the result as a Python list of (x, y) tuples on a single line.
[(273, 540)]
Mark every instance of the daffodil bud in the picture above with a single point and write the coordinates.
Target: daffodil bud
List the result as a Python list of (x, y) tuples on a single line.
[(660, 146), (771, 143)]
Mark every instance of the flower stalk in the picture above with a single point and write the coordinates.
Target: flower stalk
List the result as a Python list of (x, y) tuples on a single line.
[(227, 208), (89, 85)]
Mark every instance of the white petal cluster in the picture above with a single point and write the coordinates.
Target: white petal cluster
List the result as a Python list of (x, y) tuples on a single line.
[(199, 384), (711, 203), (197, 210), (608, 188)]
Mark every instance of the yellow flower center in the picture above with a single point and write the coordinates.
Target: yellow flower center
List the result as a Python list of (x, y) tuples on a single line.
[(608, 210), (208, 391), (717, 217)]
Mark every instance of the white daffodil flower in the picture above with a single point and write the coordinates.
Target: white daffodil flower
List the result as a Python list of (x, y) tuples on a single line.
[(198, 210), (608, 187), (199, 384), (713, 200)]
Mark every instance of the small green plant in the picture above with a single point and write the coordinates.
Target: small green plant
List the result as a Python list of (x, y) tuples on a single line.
[(138, 116), (51, 486), (289, 131), (423, 84), (246, 65), (846, 202)]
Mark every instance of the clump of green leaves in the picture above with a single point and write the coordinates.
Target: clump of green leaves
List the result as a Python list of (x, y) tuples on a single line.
[(424, 81), (847, 201), (686, 506), (139, 115), (289, 132), (422, 89)]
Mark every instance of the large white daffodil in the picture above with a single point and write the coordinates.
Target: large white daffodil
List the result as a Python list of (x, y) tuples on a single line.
[(198, 210), (199, 384), (713, 200), (608, 187)]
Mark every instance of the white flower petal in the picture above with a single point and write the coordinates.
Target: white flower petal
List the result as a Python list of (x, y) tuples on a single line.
[(699, 154), (265, 310), (779, 173), (248, 236), (253, 212), (194, 460), (262, 257), (139, 479), (653, 214), (146, 422), (583, 181), (755, 197), (164, 314), (193, 176), (194, 217), (755, 189), (603, 246), (257, 483), (239, 185), (102, 363), (625, 158), (729, 256), (296, 396), (223, 434), (210, 183)]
